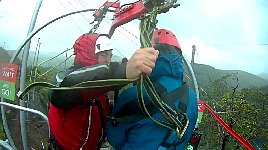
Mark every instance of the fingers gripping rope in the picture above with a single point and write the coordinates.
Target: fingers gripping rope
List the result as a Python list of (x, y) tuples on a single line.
[(147, 26)]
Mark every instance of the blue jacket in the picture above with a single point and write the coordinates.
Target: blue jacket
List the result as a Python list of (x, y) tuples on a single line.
[(145, 134)]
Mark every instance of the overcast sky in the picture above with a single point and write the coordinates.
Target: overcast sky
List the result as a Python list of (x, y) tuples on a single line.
[(229, 34)]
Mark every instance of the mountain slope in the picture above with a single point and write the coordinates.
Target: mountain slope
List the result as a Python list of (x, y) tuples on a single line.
[(206, 74), (264, 76)]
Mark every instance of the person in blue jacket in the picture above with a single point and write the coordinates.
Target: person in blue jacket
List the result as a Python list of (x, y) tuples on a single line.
[(130, 129)]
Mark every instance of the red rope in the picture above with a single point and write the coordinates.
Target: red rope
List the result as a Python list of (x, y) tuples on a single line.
[(245, 143)]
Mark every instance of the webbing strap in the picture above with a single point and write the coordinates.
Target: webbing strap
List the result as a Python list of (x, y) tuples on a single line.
[(131, 112), (112, 84), (170, 98)]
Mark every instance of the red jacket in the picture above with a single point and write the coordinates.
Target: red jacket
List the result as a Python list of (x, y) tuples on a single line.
[(75, 119), (78, 127)]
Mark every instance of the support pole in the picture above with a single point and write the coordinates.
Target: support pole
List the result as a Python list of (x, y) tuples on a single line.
[(23, 75)]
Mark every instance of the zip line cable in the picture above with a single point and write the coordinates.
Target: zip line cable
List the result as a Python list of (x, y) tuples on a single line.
[(206, 93), (54, 42), (123, 34), (71, 17), (119, 52), (126, 30), (129, 32), (81, 3), (79, 13), (60, 53)]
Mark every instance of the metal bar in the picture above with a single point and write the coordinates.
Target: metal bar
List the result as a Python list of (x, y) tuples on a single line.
[(23, 69), (28, 110), (23, 74), (28, 38), (4, 119), (5, 145), (192, 75)]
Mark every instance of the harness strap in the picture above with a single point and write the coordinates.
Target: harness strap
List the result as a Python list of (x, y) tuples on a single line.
[(170, 98), (132, 115), (131, 111), (96, 102), (103, 124)]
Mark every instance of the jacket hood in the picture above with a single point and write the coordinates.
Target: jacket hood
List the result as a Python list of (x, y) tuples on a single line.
[(170, 65), (84, 49)]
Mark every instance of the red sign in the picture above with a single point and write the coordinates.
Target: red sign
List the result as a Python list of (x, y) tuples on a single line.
[(8, 72)]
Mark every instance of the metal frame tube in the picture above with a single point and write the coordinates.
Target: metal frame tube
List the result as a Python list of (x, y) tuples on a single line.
[(192, 75), (5, 145), (5, 126), (23, 74), (24, 66), (28, 38)]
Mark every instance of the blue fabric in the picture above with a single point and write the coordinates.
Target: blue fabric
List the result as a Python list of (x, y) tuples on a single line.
[(146, 134)]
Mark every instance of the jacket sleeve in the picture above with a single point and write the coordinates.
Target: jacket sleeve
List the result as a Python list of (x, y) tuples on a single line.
[(72, 76)]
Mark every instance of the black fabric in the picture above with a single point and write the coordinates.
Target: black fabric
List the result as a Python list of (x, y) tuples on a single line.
[(132, 112), (103, 120), (66, 99), (167, 49), (120, 71), (170, 145), (63, 99), (170, 98), (99, 72), (129, 113)]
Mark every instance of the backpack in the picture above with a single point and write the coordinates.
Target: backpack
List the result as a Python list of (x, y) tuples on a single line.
[(128, 120)]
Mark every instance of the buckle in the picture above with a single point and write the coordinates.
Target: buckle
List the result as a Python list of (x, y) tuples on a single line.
[(180, 132)]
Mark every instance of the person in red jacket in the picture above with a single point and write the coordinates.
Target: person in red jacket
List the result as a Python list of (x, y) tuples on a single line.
[(77, 117)]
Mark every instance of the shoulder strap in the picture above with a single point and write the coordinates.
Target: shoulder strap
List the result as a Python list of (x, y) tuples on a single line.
[(132, 112), (170, 98)]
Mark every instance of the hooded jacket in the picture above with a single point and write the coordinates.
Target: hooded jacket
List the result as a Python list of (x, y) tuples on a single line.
[(77, 117), (141, 134)]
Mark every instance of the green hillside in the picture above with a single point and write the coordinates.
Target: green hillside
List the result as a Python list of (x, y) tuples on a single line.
[(206, 74)]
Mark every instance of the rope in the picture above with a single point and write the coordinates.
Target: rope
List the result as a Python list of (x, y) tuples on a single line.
[(110, 83), (147, 26)]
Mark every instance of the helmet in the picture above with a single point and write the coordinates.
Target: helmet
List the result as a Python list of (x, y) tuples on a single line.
[(103, 43), (165, 37)]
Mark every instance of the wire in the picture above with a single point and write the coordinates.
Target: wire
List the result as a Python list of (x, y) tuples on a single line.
[(79, 13), (219, 45), (71, 17), (124, 34), (81, 3), (129, 32), (119, 52)]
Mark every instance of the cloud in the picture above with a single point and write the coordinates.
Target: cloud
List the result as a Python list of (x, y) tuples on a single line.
[(228, 34)]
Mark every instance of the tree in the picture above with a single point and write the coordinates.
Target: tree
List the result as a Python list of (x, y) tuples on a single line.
[(243, 110)]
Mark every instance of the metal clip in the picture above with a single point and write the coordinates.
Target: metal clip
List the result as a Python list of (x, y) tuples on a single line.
[(180, 134)]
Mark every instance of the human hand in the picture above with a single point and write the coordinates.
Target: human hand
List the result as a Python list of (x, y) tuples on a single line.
[(141, 62)]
